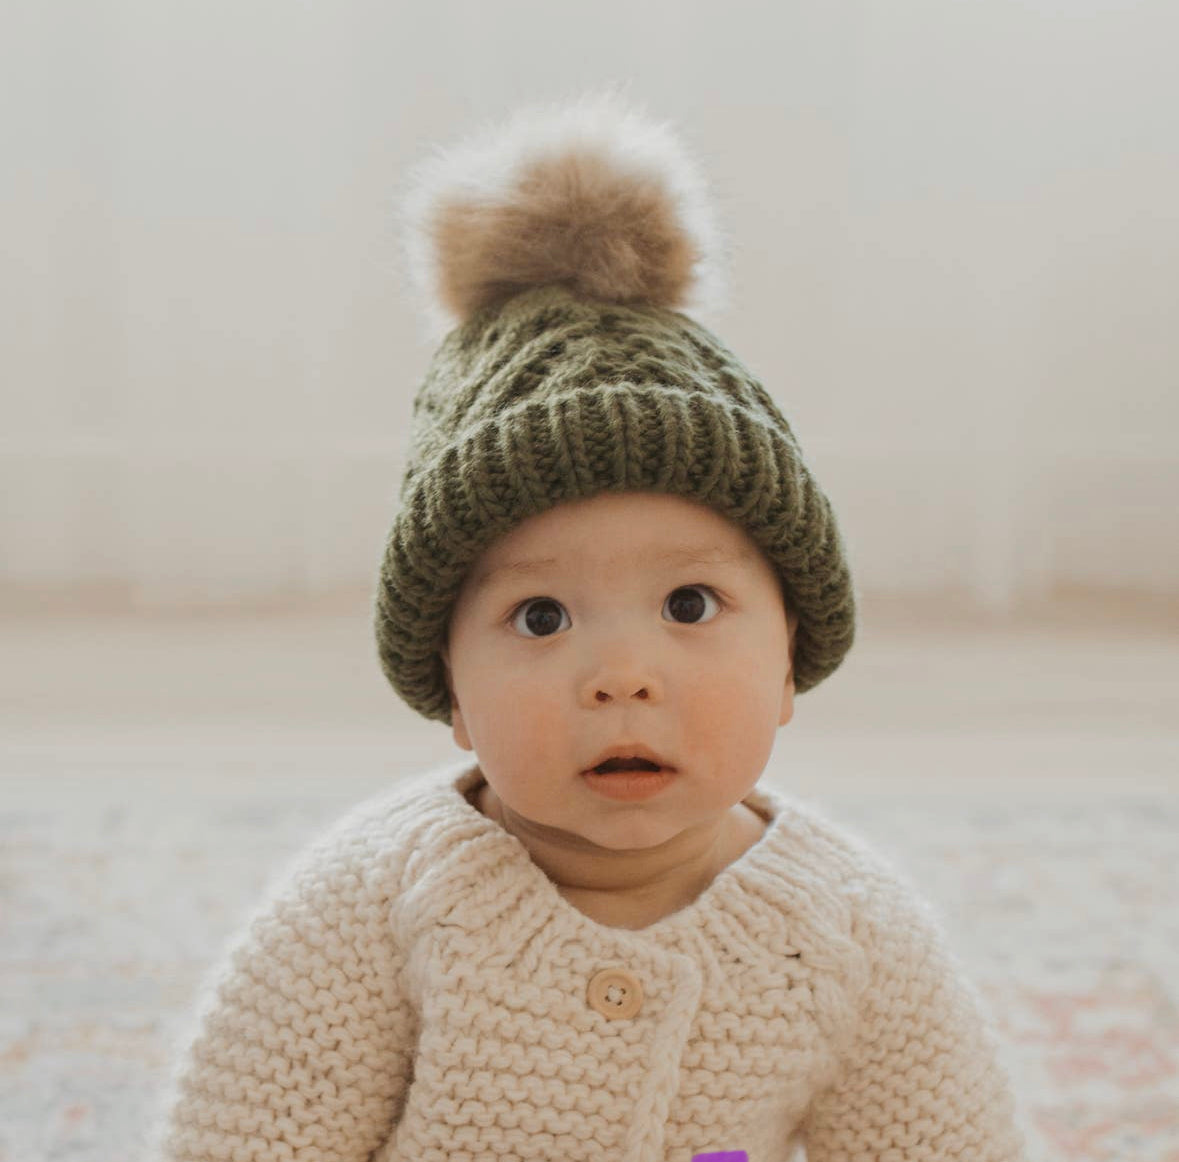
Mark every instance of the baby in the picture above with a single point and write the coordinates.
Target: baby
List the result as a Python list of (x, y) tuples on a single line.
[(610, 573)]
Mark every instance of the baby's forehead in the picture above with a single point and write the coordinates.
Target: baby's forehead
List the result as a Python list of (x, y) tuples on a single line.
[(625, 530), (660, 518)]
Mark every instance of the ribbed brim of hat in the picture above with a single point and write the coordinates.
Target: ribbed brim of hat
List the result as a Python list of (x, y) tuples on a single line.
[(572, 445)]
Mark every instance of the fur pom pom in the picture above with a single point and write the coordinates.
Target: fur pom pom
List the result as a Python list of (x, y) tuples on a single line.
[(592, 195)]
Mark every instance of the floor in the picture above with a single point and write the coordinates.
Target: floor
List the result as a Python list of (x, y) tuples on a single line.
[(156, 768)]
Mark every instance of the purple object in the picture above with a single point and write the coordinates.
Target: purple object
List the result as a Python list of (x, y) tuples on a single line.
[(722, 1156)]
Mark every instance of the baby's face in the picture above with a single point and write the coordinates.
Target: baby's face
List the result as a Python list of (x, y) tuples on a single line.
[(628, 621)]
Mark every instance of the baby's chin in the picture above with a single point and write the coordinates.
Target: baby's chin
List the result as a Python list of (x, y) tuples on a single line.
[(627, 833), (617, 837)]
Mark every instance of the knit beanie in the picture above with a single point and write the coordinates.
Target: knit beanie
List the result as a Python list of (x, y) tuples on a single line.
[(557, 256)]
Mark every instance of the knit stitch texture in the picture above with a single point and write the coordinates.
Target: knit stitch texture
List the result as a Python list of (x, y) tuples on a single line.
[(417, 990)]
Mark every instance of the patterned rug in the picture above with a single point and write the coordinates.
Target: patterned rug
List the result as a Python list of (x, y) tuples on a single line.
[(115, 899)]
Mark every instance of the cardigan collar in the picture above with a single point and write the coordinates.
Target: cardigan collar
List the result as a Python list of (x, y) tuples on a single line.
[(467, 872)]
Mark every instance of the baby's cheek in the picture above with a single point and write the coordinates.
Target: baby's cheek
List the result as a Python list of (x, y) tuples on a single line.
[(528, 715)]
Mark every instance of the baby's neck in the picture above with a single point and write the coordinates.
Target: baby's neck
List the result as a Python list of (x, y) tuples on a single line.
[(632, 889)]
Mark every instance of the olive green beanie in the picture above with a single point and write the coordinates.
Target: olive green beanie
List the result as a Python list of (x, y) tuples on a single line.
[(561, 244)]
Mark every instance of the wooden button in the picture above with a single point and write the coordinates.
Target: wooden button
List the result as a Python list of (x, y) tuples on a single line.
[(616, 994)]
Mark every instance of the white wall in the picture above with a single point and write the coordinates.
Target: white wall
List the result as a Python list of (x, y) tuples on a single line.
[(956, 231)]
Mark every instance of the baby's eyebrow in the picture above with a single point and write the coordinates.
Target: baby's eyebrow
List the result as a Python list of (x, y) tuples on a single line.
[(693, 555)]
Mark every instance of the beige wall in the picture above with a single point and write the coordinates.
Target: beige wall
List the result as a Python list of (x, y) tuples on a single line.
[(956, 262)]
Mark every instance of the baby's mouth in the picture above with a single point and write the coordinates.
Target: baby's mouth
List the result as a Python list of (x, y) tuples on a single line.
[(629, 777), (625, 764)]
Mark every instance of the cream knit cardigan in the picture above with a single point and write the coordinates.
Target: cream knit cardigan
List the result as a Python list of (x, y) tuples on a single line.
[(416, 991)]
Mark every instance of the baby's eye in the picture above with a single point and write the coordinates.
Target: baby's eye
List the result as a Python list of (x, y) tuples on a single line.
[(690, 603), (540, 617)]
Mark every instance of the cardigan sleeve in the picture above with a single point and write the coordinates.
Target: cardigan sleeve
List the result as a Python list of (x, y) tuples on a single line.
[(305, 1048), (918, 1079)]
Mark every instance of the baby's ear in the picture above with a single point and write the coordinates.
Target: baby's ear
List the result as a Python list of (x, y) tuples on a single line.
[(787, 712), (792, 627), (458, 728), (444, 654)]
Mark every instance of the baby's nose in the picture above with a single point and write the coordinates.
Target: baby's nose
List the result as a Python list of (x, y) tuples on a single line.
[(605, 695), (616, 679)]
